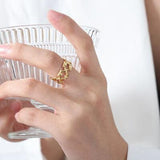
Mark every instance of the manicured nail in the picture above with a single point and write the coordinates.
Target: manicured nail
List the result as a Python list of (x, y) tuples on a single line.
[(4, 49), (55, 16)]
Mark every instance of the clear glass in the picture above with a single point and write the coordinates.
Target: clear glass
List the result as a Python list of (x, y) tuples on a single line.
[(42, 36)]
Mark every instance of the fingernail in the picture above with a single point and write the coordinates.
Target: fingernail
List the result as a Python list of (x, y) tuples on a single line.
[(15, 106), (56, 16), (4, 49)]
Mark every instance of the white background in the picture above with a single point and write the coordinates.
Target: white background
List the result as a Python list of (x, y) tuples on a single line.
[(125, 56)]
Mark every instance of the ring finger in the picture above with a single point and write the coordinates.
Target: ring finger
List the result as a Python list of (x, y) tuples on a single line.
[(48, 61)]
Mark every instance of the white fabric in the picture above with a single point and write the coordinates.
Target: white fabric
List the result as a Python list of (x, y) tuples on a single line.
[(124, 53), (137, 152), (26, 150)]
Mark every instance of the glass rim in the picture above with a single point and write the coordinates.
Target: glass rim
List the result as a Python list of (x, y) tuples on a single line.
[(45, 24)]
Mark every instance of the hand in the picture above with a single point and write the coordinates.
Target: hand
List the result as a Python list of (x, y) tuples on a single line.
[(82, 124), (8, 123)]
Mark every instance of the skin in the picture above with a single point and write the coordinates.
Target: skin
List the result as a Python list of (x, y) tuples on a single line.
[(51, 149), (153, 15), (8, 108), (82, 123)]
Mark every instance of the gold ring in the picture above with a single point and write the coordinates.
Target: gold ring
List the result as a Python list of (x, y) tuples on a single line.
[(63, 73)]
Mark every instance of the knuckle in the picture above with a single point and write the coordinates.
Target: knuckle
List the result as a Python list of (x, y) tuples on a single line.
[(93, 95), (52, 58), (95, 91), (80, 113), (29, 85), (94, 98)]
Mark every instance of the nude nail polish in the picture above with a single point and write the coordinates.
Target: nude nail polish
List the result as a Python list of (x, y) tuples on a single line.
[(4, 49)]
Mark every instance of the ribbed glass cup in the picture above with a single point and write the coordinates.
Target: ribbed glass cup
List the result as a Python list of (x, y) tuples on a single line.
[(41, 36)]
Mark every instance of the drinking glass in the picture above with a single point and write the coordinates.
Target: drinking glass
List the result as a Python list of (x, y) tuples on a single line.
[(42, 36)]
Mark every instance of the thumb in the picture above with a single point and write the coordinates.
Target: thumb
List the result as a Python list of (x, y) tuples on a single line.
[(37, 118)]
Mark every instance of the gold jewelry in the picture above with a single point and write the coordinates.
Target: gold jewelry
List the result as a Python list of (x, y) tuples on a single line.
[(63, 73)]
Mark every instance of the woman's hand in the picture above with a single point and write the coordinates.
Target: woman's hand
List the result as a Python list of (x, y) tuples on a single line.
[(8, 108), (82, 123)]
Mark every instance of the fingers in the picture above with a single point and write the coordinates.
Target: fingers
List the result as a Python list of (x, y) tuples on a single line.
[(79, 38), (48, 61), (37, 118), (30, 88)]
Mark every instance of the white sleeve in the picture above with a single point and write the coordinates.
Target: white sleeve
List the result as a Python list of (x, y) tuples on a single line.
[(136, 152)]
